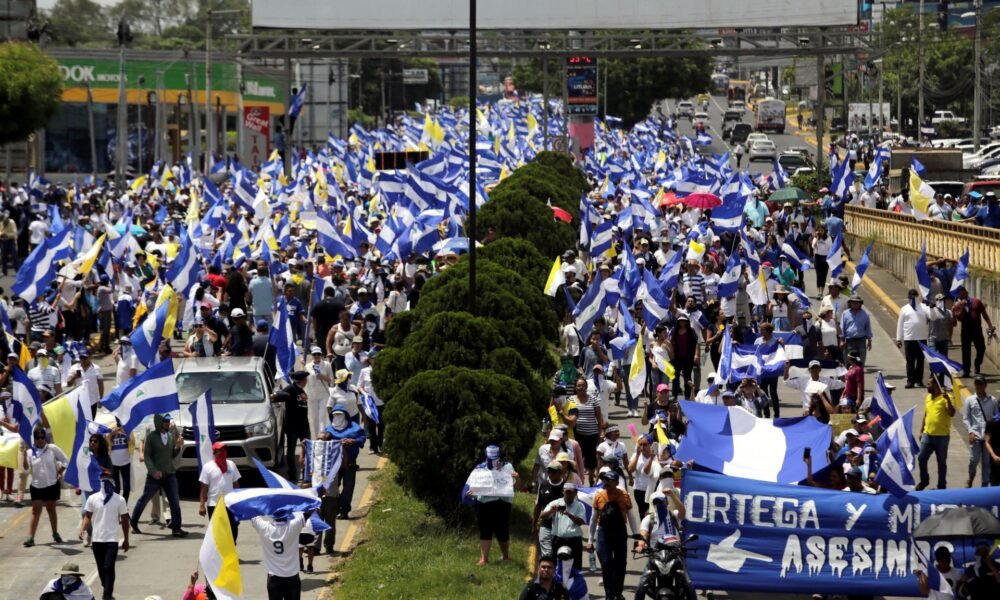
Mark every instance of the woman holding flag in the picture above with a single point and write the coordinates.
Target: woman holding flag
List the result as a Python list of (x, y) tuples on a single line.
[(47, 463)]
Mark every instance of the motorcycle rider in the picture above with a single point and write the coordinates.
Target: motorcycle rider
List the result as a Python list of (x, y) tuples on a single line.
[(660, 525)]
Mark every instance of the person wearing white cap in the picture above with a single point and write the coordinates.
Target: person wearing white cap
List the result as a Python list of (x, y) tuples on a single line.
[(814, 384), (127, 361), (318, 390), (46, 376)]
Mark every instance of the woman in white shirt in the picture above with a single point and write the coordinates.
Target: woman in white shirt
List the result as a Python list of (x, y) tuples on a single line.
[(830, 331), (640, 466), (47, 463), (821, 244)]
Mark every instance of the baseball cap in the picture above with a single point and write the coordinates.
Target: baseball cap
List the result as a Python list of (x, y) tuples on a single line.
[(315, 350), (814, 363), (261, 323), (555, 435), (238, 313), (662, 388)]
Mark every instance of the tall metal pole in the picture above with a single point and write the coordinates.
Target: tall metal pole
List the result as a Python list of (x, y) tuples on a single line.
[(121, 145), (239, 104), (91, 132), (881, 116), (194, 124), (819, 117), (545, 103), (977, 106), (473, 91), (209, 120), (920, 88)]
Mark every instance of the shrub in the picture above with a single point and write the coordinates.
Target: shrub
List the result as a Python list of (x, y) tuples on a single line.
[(544, 184), (439, 422), (563, 164), (514, 212), (521, 257)]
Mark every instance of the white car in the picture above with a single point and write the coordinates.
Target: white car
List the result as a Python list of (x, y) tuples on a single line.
[(757, 137), (972, 161), (701, 117), (762, 150), (685, 108), (738, 105)]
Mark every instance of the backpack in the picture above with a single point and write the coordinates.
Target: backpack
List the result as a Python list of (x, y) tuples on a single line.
[(610, 517)]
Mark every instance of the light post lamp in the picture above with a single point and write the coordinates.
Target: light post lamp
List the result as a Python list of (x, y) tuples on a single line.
[(977, 100)]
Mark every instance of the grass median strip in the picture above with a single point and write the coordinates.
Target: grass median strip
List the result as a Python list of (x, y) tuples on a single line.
[(408, 552)]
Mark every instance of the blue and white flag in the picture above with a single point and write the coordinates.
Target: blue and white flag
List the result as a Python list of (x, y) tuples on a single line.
[(703, 138), (861, 268), (938, 363), (148, 336), (799, 260), (83, 471), (330, 238), (671, 272), (835, 257), (322, 462), (41, 266), (791, 343), (245, 504), (779, 177), (731, 441), (591, 305), (655, 301), (369, 407), (896, 452), (571, 578), (961, 274), (601, 238), (272, 479), (203, 427), (882, 405), (154, 391), (939, 587), (874, 175), (725, 359), (185, 270), (27, 404), (917, 166), (282, 337), (923, 275), (804, 301), (729, 283), (842, 180), (298, 101)]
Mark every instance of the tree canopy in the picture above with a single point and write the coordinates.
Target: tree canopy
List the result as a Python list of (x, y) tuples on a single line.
[(30, 90)]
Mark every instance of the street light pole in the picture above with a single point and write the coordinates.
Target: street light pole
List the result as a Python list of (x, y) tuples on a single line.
[(209, 125), (920, 85), (977, 106), (473, 91)]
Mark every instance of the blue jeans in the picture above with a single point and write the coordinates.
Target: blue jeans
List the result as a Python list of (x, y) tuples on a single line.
[(938, 445), (612, 550), (168, 483), (979, 455)]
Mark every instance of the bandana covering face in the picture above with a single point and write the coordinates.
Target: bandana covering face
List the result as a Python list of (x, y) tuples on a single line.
[(220, 460)]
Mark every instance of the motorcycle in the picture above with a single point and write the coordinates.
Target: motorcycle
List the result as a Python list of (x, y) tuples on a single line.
[(666, 574)]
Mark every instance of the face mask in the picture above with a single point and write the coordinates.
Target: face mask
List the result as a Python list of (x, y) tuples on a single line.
[(767, 271), (67, 580), (339, 421), (939, 304), (372, 327), (913, 302)]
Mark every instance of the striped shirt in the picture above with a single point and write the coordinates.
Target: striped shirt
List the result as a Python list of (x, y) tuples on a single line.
[(586, 419), (42, 316), (694, 286)]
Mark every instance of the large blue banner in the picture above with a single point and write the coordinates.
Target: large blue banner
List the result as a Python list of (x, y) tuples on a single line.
[(767, 537)]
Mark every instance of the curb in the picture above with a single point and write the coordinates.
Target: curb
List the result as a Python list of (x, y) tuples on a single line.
[(869, 284)]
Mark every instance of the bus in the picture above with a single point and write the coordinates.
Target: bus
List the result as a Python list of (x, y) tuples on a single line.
[(720, 83), (770, 115), (737, 90)]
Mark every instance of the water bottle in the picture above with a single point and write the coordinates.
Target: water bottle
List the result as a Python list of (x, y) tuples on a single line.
[(592, 562)]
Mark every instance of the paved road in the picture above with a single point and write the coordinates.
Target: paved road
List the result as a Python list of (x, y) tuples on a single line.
[(157, 563), (884, 357)]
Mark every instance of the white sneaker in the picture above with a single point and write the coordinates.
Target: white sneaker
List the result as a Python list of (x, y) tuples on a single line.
[(86, 540)]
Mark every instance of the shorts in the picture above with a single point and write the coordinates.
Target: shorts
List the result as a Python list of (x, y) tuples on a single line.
[(493, 518), (588, 446), (45, 494)]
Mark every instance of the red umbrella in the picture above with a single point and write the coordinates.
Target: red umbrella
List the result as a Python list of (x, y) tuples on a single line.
[(702, 200), (671, 199)]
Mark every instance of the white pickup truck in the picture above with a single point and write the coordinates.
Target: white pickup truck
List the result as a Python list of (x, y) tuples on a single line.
[(945, 116)]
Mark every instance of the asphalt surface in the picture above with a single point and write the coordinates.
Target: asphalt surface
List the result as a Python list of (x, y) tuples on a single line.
[(157, 563)]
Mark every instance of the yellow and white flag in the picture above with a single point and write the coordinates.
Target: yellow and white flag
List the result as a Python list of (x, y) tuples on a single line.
[(556, 278), (695, 250), (218, 558), (921, 196), (167, 296), (637, 373)]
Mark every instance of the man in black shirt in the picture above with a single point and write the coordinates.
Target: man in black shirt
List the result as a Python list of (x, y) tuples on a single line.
[(296, 417), (215, 324), (262, 348), (326, 313)]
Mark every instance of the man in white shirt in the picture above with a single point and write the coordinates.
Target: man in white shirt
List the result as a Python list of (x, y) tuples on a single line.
[(105, 512), (45, 375), (128, 365), (318, 390), (911, 331), (217, 479), (89, 375), (279, 539), (376, 431), (815, 383)]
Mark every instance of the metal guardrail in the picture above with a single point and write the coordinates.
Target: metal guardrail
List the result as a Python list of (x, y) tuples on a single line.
[(944, 239)]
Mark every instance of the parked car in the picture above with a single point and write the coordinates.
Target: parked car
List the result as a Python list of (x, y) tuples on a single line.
[(972, 161), (756, 137), (948, 187), (762, 150), (246, 420), (685, 108), (701, 117), (982, 185), (790, 161), (945, 116)]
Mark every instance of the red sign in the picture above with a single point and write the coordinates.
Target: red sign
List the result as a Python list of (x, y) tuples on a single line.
[(257, 135)]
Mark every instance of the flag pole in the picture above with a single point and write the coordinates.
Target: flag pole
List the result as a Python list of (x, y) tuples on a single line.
[(473, 90)]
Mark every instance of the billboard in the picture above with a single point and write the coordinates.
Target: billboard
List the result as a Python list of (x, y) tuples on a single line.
[(581, 85), (256, 135), (440, 15)]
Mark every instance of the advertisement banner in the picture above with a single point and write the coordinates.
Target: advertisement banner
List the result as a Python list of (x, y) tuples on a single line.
[(581, 85), (256, 136), (765, 537)]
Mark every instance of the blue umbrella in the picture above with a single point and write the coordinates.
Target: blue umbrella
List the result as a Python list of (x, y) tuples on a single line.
[(136, 230)]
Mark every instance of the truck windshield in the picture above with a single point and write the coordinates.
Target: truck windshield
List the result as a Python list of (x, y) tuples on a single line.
[(234, 387)]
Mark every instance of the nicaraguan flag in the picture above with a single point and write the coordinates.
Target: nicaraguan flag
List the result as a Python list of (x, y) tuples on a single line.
[(804, 301), (703, 138), (799, 369), (874, 175), (330, 238), (861, 268), (792, 343), (244, 189), (671, 272), (725, 358), (82, 471), (27, 404), (154, 391), (835, 257), (917, 166), (321, 462), (591, 305), (923, 275), (272, 479), (245, 504), (283, 339), (799, 260), (779, 177), (146, 338), (600, 240), (370, 408), (298, 101), (939, 363), (940, 589), (203, 427), (41, 266), (729, 216), (843, 179), (961, 273), (572, 579), (185, 270), (655, 302), (896, 451), (731, 441), (729, 284), (882, 405)]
